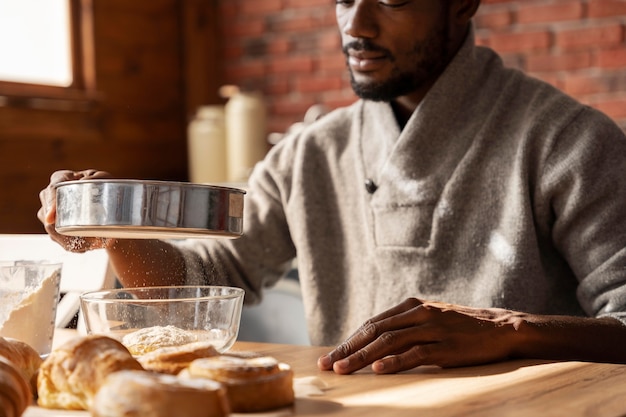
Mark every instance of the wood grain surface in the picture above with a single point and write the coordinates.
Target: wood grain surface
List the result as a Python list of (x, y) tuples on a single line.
[(514, 388)]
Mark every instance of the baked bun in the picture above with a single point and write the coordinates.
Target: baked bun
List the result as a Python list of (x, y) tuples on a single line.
[(173, 359), (148, 339), (15, 393), (252, 384), (146, 394), (24, 357), (72, 374)]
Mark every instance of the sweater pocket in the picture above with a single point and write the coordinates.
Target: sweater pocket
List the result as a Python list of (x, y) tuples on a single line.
[(405, 225)]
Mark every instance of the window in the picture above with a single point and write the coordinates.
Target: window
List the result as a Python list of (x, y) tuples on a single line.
[(35, 42), (47, 51)]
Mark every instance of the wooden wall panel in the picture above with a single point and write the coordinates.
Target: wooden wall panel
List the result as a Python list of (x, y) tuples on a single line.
[(135, 127)]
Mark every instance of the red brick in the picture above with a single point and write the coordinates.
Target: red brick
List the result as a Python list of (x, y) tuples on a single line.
[(257, 7), (293, 64), (316, 83), (558, 62), (494, 18), (328, 18), (606, 8), (299, 4), (289, 106), (278, 46), (521, 41), (278, 86), (242, 70), (585, 84), (607, 34), (294, 25), (247, 28), (331, 63), (329, 41), (614, 107), (305, 42), (611, 58), (549, 12)]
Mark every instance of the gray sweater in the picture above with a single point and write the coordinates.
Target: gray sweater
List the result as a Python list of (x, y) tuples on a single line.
[(500, 191)]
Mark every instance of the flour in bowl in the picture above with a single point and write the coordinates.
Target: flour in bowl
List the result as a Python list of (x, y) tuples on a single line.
[(151, 338)]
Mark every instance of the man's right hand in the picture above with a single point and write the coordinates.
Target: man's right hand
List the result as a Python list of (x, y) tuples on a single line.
[(48, 210)]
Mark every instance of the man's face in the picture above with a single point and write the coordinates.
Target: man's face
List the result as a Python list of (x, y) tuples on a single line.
[(393, 47)]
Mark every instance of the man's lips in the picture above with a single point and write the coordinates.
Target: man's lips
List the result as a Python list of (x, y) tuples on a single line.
[(366, 61)]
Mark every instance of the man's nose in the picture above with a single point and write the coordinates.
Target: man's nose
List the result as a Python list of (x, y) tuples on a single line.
[(359, 21)]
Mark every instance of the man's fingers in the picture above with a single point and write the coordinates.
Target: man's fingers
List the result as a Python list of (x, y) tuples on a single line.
[(63, 175), (418, 355), (406, 305), (380, 331), (326, 362)]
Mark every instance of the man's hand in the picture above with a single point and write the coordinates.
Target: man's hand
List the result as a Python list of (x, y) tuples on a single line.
[(48, 210), (416, 333)]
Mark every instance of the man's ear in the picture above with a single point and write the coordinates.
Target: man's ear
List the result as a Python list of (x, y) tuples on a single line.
[(464, 10)]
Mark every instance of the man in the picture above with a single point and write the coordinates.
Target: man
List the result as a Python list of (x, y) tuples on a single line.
[(453, 179)]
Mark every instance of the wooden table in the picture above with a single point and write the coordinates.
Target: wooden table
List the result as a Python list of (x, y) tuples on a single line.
[(514, 388)]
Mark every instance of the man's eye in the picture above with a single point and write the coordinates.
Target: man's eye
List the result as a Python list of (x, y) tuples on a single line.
[(344, 2), (393, 4)]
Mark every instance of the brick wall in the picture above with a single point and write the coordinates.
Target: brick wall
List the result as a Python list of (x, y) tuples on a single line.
[(290, 49), (577, 45)]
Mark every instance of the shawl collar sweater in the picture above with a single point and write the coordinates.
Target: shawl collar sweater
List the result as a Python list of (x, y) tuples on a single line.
[(500, 191)]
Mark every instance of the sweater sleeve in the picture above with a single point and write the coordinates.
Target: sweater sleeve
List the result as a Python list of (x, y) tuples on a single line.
[(265, 251), (584, 182)]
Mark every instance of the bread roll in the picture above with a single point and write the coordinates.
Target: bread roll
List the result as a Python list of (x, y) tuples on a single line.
[(22, 356), (252, 384), (171, 360), (15, 393), (146, 394), (148, 339), (72, 374)]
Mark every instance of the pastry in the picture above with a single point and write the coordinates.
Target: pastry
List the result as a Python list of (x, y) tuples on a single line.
[(15, 393), (22, 356), (72, 374), (151, 338), (252, 384), (146, 394), (173, 359)]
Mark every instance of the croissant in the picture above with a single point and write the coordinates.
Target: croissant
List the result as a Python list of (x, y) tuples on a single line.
[(24, 357), (15, 393), (72, 374)]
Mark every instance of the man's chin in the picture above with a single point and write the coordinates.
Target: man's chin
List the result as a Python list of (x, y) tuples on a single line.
[(373, 93), (387, 90)]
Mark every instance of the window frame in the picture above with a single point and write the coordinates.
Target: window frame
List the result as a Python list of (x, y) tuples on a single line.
[(83, 87)]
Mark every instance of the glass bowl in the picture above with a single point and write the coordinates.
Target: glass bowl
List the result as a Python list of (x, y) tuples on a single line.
[(147, 318)]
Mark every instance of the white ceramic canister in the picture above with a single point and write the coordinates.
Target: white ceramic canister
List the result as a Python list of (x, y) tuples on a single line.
[(246, 133), (206, 146)]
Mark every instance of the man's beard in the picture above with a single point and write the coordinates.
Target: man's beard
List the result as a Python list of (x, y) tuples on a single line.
[(429, 59)]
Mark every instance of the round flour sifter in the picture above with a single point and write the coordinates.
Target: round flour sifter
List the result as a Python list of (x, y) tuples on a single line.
[(148, 209)]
